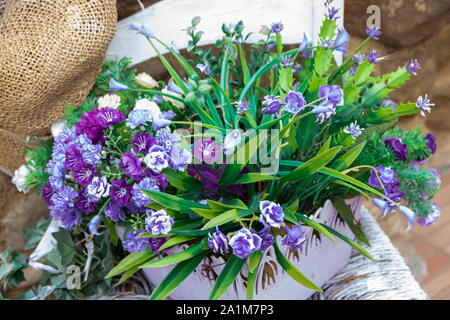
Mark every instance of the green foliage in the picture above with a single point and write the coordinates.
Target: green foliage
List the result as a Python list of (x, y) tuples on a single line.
[(11, 268)]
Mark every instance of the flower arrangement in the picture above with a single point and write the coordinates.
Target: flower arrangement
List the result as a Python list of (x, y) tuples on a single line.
[(236, 153)]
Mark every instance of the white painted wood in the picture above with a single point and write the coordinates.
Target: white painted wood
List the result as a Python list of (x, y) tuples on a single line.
[(168, 18)]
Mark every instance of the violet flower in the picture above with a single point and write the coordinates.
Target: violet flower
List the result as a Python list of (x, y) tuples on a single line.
[(413, 66), (332, 11), (373, 33), (386, 175), (341, 41), (242, 107), (120, 192), (272, 105), (272, 214), (142, 142), (158, 223), (116, 86), (373, 56), (180, 158), (204, 68), (114, 212), (206, 150), (294, 102), (84, 175), (409, 215), (333, 94), (134, 243), (353, 130), (244, 242), (399, 149), (137, 117), (218, 242), (130, 165), (431, 217), (276, 27), (424, 104), (139, 197), (156, 159), (295, 237), (109, 116), (93, 225), (142, 29), (324, 111)]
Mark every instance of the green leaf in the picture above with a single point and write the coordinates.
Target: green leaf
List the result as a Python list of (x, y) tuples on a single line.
[(176, 240), (135, 259), (110, 227), (351, 242), (229, 272), (290, 216), (322, 61), (311, 166), (347, 214), (174, 202), (35, 234), (252, 273), (176, 276), (225, 217), (252, 177), (328, 28), (177, 257), (316, 226), (183, 181), (127, 274), (293, 271), (363, 72), (253, 260), (65, 246)]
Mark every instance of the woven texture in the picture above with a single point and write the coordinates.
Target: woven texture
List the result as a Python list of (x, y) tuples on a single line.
[(51, 54), (362, 279)]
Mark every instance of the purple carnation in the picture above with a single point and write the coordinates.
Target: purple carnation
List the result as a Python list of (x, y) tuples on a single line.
[(68, 216), (333, 94), (272, 105), (294, 102), (387, 176), (120, 192), (218, 242), (63, 197), (84, 175), (139, 197), (244, 242), (167, 140), (134, 243), (84, 203), (158, 223), (108, 116), (130, 165), (114, 212), (295, 237), (142, 142), (272, 214), (74, 160), (156, 243), (399, 149), (266, 237), (47, 193), (431, 217), (90, 125), (206, 150), (431, 145)]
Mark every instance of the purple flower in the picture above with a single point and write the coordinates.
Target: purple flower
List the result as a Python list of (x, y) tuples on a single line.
[(135, 244), (84, 175), (159, 179), (431, 217), (373, 33), (63, 197), (295, 237), (206, 150), (98, 188), (114, 212), (139, 197), (387, 177), (156, 243), (384, 206), (324, 111), (304, 45), (93, 225), (286, 61), (294, 101), (272, 214), (353, 130), (204, 68), (242, 107), (424, 104), (180, 158), (272, 105), (108, 116), (158, 223), (159, 121), (167, 140), (156, 159), (409, 215), (413, 66), (90, 125), (120, 192), (157, 98), (389, 104), (431, 144), (74, 159), (84, 203), (142, 142), (47, 193), (276, 27), (142, 29), (137, 117), (297, 68), (116, 86), (340, 43), (174, 88), (68, 216), (333, 94), (218, 242), (244, 242), (359, 58), (373, 56), (399, 149), (91, 153), (130, 165), (267, 239), (332, 11)]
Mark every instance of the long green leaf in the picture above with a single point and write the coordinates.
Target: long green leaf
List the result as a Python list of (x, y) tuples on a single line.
[(175, 258), (183, 181), (130, 261), (176, 276), (316, 226), (225, 217), (176, 240), (226, 277), (174, 202), (252, 177), (293, 271)]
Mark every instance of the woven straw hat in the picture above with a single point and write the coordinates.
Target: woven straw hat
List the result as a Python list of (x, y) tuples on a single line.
[(50, 55)]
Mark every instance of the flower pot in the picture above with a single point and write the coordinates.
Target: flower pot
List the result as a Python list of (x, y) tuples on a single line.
[(319, 259)]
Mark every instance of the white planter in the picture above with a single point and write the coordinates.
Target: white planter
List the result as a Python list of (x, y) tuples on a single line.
[(319, 259)]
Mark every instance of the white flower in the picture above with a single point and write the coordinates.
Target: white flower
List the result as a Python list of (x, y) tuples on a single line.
[(98, 188), (58, 127), (176, 103), (110, 100), (156, 161), (146, 80), (353, 130), (232, 140), (424, 104), (150, 106), (20, 180)]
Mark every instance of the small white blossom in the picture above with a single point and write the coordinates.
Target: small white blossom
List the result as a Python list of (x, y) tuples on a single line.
[(354, 130), (20, 180), (146, 80), (232, 140), (150, 106), (424, 104), (58, 127), (156, 161), (109, 101)]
